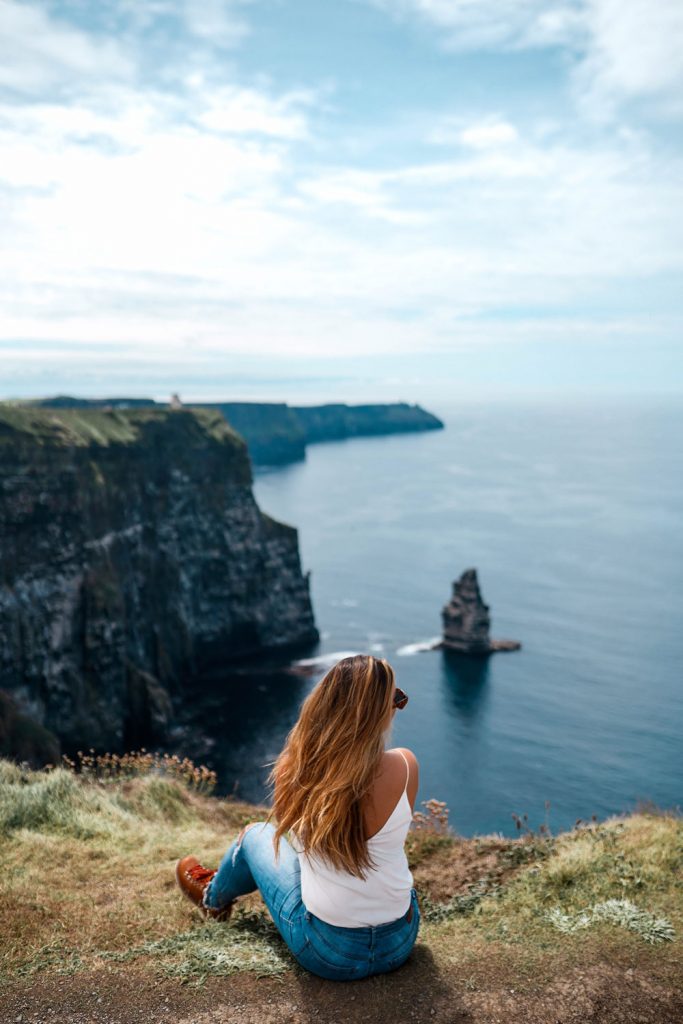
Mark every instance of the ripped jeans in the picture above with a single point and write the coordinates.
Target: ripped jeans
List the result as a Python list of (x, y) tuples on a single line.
[(330, 951)]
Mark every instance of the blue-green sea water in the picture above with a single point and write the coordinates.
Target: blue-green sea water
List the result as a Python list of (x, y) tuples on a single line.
[(572, 513)]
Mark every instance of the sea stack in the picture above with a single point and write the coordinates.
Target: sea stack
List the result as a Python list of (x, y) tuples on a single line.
[(466, 620)]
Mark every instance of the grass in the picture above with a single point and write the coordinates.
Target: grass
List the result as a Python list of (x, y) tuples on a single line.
[(86, 865), (193, 955), (623, 912), (86, 879), (621, 877), (81, 427)]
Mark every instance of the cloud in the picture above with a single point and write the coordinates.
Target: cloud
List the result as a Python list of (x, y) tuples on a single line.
[(176, 235), (362, 190), (489, 133), (217, 21), (619, 50), (39, 53), (234, 110), (483, 136), (183, 220), (482, 25), (634, 52), (114, 41)]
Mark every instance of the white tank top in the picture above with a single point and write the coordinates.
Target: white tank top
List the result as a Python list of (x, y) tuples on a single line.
[(343, 899)]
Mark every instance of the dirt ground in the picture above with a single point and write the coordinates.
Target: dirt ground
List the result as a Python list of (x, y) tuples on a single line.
[(444, 874), (419, 992)]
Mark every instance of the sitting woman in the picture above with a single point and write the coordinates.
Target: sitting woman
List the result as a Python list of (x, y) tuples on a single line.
[(341, 893)]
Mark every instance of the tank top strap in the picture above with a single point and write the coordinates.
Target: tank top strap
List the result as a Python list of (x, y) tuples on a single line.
[(405, 788)]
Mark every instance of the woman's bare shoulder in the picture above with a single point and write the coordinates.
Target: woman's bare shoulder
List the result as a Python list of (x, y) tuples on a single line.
[(393, 756), (408, 753), (388, 786), (395, 763)]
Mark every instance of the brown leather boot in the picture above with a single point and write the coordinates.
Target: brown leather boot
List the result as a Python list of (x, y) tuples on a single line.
[(193, 880)]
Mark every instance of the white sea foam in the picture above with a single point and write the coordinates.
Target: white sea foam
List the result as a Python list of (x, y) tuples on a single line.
[(322, 661), (421, 645)]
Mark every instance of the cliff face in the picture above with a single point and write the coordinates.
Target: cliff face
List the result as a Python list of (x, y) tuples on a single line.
[(133, 557), (272, 431)]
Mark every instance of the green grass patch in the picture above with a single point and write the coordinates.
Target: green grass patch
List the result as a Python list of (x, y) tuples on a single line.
[(79, 427), (621, 912), (249, 942)]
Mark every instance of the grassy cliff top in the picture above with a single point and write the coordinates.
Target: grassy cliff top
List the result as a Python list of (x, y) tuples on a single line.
[(79, 427), (513, 929)]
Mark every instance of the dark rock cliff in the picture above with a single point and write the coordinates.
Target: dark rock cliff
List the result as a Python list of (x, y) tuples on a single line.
[(272, 430), (22, 738), (133, 558)]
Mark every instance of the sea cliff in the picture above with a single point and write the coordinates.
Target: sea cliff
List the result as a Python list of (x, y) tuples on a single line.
[(272, 430), (133, 558), (277, 433)]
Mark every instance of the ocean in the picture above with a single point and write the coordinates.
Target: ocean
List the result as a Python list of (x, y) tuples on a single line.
[(572, 513)]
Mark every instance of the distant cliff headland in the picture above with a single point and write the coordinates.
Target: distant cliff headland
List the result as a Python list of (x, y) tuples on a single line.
[(277, 433), (133, 557)]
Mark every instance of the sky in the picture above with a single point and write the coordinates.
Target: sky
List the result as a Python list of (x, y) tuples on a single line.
[(346, 200)]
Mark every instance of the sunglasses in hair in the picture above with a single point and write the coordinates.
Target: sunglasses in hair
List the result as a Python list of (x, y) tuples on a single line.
[(400, 698)]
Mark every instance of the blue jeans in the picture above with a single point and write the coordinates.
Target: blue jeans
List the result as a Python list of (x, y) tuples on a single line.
[(330, 951)]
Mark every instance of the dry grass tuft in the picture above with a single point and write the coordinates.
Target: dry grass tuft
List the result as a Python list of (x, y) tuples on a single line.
[(430, 832), (109, 767)]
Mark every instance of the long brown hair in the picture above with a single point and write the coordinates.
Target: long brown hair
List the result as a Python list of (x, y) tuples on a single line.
[(330, 758)]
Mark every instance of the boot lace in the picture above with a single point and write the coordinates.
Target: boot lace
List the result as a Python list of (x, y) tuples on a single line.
[(200, 874)]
